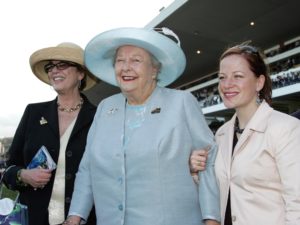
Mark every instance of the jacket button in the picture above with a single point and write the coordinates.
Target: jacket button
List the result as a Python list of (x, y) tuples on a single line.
[(120, 180), (69, 153), (120, 207), (68, 176), (233, 218), (68, 200)]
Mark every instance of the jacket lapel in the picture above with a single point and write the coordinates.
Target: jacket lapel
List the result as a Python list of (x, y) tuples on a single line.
[(258, 123), (225, 135), (50, 114)]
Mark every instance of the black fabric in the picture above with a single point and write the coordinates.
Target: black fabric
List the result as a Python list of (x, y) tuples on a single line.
[(39, 126), (228, 220)]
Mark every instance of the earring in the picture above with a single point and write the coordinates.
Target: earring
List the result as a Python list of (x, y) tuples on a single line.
[(258, 101), (79, 84)]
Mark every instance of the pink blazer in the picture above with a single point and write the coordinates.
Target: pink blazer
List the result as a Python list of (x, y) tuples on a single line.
[(264, 172)]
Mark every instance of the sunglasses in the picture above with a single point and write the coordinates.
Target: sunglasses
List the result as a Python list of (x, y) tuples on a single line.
[(62, 65), (248, 49)]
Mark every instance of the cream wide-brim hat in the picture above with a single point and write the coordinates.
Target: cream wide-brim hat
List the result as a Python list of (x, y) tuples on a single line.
[(65, 51), (100, 51)]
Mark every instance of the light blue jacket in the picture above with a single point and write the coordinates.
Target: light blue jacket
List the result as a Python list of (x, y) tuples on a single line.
[(151, 183)]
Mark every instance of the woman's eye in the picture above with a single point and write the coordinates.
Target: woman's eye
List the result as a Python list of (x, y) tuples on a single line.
[(119, 60), (238, 76)]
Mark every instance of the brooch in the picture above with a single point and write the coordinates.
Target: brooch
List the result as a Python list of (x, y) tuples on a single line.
[(156, 110), (112, 111), (43, 121)]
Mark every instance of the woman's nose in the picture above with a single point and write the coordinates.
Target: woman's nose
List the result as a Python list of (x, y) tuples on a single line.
[(227, 83), (126, 65)]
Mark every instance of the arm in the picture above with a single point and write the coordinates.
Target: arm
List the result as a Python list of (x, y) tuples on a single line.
[(202, 137), (16, 157), (17, 176), (197, 162), (82, 198), (287, 156)]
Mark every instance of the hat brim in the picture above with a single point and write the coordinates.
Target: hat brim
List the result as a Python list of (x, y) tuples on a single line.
[(41, 57), (100, 51)]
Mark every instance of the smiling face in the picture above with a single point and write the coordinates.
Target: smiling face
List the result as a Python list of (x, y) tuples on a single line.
[(238, 85), (135, 73), (64, 79)]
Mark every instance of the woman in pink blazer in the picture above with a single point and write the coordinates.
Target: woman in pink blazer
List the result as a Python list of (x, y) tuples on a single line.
[(258, 160)]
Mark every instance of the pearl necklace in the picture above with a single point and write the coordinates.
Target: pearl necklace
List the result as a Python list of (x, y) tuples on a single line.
[(72, 109)]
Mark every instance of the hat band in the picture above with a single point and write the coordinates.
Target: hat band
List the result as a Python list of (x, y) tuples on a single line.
[(166, 31)]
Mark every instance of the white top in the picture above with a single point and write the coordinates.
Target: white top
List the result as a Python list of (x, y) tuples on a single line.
[(56, 206)]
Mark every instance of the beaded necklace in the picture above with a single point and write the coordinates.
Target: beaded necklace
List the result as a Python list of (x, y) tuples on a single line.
[(72, 109)]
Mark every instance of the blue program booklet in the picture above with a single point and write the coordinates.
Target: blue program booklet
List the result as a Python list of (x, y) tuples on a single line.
[(42, 159)]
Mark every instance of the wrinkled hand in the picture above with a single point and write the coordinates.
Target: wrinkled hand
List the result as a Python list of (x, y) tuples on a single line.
[(37, 177)]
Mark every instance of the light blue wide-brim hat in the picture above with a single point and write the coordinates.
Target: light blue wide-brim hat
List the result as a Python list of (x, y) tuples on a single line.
[(100, 51)]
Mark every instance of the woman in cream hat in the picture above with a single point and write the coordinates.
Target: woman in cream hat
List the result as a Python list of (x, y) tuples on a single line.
[(61, 125), (135, 167)]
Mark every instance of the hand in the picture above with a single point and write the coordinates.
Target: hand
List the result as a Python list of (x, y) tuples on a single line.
[(211, 222), (37, 177), (198, 160), (72, 220)]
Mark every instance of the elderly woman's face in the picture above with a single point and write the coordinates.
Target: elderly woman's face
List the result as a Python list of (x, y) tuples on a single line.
[(134, 71)]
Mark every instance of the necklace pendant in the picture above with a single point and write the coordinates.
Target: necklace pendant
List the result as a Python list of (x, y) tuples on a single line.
[(237, 127)]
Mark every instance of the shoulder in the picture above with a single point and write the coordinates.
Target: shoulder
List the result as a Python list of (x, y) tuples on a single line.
[(281, 121), (119, 97), (175, 94), (296, 114), (115, 101), (40, 105), (223, 128), (87, 104)]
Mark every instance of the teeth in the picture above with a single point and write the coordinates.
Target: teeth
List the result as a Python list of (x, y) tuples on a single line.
[(128, 78), (58, 78)]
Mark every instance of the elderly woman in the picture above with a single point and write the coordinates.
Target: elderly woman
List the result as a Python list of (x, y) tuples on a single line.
[(135, 168), (258, 161), (61, 125)]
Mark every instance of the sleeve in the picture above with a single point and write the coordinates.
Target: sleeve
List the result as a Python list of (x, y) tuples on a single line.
[(209, 196), (82, 199), (16, 157), (287, 157)]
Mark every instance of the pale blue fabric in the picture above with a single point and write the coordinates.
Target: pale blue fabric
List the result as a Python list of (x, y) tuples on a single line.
[(150, 184)]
